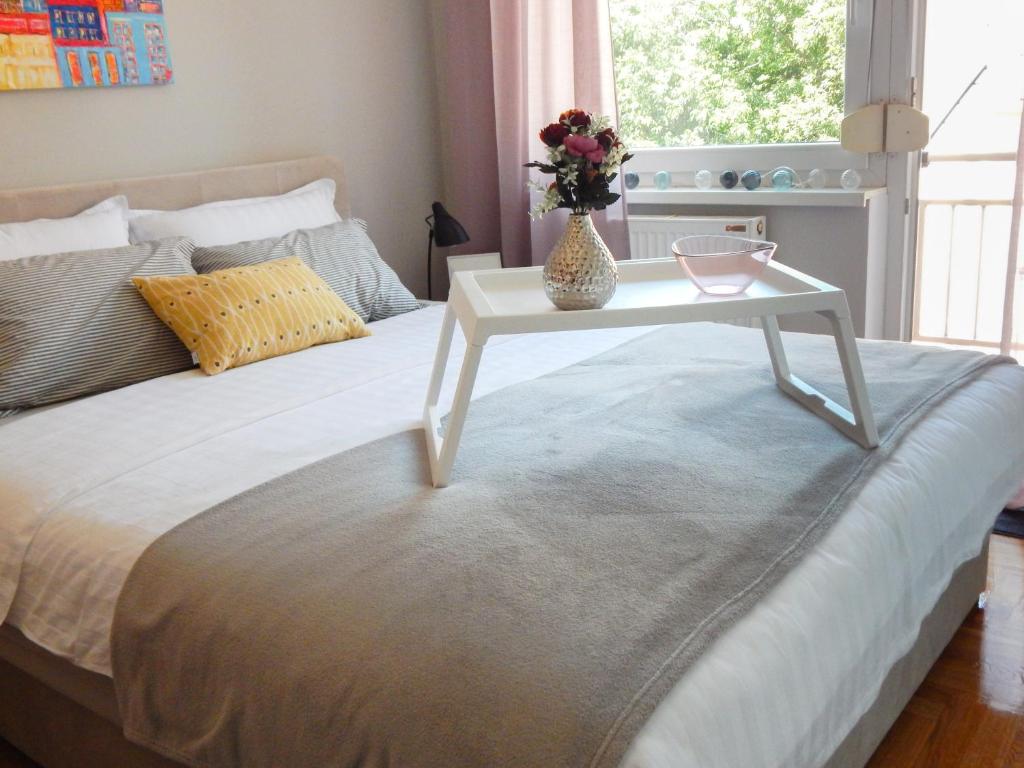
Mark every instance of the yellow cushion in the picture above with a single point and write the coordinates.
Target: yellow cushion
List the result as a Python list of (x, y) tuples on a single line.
[(237, 316)]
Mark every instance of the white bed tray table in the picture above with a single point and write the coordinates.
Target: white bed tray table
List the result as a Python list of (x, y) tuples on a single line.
[(650, 292)]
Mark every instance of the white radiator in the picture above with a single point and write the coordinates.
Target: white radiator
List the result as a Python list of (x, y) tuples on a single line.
[(651, 237)]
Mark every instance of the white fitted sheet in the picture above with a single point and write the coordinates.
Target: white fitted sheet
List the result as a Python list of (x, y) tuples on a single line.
[(86, 486)]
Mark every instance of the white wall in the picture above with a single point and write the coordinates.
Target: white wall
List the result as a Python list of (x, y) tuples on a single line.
[(260, 80)]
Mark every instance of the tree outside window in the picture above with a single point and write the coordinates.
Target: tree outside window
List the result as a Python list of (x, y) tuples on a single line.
[(706, 72)]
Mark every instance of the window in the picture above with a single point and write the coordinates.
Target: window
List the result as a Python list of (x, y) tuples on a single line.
[(699, 72), (753, 83)]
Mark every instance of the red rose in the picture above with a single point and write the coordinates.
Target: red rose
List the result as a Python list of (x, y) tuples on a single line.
[(576, 118), (554, 134), (607, 139)]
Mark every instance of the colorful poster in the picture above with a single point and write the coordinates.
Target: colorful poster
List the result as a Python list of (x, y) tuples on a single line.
[(83, 44)]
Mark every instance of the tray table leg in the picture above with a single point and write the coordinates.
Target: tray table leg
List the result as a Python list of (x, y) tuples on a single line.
[(859, 425), (442, 450), (444, 346)]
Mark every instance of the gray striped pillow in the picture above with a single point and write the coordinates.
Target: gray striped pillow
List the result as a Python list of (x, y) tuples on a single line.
[(72, 323), (341, 254)]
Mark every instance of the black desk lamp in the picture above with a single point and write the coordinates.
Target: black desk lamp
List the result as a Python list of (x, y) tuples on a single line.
[(445, 231)]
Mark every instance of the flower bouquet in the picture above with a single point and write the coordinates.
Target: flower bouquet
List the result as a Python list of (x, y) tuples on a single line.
[(584, 155)]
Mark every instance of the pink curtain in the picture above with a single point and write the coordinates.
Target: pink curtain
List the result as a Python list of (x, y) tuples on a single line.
[(506, 68), (549, 56), (469, 151)]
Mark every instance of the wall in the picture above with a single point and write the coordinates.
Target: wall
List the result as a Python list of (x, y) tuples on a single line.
[(260, 80), (842, 246)]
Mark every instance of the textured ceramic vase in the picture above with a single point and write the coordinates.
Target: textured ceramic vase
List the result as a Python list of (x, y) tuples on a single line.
[(580, 272)]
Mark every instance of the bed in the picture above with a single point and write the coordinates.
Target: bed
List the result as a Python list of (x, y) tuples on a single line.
[(903, 566)]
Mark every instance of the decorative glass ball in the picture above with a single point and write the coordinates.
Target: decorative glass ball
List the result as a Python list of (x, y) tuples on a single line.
[(850, 179), (702, 179), (663, 180), (783, 178), (751, 180), (632, 180), (817, 178), (729, 179)]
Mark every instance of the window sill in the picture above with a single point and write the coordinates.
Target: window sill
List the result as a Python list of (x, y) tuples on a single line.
[(830, 198)]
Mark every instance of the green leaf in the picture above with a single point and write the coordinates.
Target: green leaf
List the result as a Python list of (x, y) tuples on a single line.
[(688, 74)]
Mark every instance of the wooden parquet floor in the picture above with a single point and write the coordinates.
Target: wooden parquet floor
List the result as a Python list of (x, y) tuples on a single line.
[(969, 712)]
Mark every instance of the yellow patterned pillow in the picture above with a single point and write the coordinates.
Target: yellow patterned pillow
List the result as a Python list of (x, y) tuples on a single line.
[(237, 316)]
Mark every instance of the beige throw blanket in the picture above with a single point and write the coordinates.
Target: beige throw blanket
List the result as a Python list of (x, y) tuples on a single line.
[(605, 524)]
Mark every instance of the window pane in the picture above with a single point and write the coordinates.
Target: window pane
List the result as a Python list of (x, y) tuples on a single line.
[(987, 119), (700, 72)]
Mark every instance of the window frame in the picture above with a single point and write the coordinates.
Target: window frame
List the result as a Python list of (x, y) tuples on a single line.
[(863, 78)]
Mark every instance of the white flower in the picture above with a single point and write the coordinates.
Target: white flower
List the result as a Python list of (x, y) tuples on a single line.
[(613, 160), (550, 202)]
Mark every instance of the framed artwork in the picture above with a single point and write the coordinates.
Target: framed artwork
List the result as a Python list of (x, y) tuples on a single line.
[(83, 44)]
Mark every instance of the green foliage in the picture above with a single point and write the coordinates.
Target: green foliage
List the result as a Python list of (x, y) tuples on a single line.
[(698, 72)]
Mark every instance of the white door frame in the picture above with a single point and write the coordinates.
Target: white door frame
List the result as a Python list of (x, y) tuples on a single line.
[(906, 78)]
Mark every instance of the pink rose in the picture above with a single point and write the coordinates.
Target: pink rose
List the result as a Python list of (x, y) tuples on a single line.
[(578, 145), (584, 146)]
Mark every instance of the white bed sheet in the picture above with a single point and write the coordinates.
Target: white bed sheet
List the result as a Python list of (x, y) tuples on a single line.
[(88, 485)]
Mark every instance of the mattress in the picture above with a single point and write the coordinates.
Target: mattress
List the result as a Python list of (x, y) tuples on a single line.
[(88, 485)]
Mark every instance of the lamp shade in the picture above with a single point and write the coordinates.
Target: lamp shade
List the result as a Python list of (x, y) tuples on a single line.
[(447, 231)]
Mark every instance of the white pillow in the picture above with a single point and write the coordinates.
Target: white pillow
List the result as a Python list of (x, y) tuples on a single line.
[(233, 221), (105, 225)]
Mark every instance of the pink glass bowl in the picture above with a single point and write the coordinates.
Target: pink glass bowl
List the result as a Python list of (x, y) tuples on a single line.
[(721, 265)]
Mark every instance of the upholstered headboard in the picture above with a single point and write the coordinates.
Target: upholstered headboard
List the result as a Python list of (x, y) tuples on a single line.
[(177, 191)]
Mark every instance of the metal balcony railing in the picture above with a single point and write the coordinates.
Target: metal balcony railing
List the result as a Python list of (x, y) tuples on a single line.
[(962, 250)]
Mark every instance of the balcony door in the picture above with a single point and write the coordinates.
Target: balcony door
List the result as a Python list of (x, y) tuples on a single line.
[(973, 83)]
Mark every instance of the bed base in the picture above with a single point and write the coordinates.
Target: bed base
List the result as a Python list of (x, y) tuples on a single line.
[(63, 717)]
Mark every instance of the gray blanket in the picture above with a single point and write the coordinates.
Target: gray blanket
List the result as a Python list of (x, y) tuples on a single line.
[(605, 524)]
